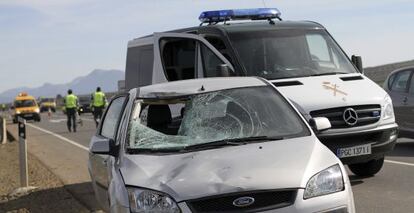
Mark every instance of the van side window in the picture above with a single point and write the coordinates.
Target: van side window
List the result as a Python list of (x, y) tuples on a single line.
[(140, 61), (179, 58), (400, 81), (211, 62)]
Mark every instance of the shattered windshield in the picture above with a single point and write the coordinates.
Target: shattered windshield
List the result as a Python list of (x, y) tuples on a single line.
[(290, 53), (213, 116)]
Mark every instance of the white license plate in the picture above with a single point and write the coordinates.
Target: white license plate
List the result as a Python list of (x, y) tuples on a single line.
[(354, 151)]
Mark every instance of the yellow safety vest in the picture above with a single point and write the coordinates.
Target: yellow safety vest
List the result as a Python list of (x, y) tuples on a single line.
[(98, 99), (70, 101)]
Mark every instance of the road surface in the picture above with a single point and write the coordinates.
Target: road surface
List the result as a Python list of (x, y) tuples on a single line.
[(66, 154)]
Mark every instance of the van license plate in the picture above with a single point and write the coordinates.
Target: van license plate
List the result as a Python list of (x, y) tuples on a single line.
[(354, 151)]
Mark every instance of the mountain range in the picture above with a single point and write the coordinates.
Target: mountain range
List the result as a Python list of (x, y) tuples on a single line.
[(106, 79)]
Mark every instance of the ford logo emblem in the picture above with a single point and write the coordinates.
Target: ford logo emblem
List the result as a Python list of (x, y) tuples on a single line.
[(243, 201)]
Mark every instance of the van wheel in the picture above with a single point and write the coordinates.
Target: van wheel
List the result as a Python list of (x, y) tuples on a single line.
[(369, 168)]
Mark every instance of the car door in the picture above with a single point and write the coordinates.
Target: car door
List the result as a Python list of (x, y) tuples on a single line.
[(409, 106), (398, 90), (185, 56), (101, 164)]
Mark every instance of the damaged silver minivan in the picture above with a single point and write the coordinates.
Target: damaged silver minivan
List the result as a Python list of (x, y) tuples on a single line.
[(214, 145)]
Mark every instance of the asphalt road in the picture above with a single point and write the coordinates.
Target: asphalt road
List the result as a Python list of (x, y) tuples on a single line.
[(391, 190)]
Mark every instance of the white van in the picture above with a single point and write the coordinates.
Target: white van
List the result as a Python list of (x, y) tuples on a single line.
[(299, 57)]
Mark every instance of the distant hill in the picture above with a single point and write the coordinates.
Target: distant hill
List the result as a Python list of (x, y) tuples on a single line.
[(380, 73), (106, 79)]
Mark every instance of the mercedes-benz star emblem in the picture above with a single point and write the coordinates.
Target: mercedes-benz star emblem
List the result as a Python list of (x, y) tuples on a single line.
[(350, 116)]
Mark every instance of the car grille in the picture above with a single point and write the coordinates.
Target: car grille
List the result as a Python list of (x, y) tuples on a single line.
[(263, 200), (367, 114)]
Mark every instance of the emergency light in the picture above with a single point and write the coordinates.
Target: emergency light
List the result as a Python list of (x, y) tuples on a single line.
[(239, 14)]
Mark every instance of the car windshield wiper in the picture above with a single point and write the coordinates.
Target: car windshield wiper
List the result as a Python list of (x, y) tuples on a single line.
[(329, 73), (149, 150), (232, 142)]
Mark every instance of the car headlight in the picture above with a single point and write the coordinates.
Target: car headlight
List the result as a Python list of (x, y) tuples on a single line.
[(18, 112), (388, 110), (148, 201), (37, 110), (325, 182)]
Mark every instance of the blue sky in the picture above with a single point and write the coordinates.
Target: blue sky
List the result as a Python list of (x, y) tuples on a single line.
[(57, 40)]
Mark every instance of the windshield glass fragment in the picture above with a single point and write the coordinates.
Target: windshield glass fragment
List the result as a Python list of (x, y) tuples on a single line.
[(174, 124)]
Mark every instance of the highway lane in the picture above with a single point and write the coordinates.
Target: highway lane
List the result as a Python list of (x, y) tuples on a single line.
[(389, 191)]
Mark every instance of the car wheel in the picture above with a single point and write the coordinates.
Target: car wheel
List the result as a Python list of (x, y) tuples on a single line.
[(369, 168)]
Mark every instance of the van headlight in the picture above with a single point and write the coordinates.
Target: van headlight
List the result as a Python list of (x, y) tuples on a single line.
[(148, 201), (325, 182), (388, 108), (37, 110)]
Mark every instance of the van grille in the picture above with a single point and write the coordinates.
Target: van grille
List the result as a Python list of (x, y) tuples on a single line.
[(263, 200), (367, 114)]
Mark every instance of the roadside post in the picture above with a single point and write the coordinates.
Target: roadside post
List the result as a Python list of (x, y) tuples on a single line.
[(3, 132), (24, 174), (24, 180)]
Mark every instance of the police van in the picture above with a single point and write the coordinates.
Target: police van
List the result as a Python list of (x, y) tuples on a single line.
[(299, 57)]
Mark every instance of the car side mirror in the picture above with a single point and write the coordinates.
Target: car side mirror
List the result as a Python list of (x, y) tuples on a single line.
[(104, 147), (223, 70), (320, 124), (357, 61)]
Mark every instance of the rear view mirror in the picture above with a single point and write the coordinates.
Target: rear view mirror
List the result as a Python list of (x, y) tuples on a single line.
[(357, 61), (103, 147), (320, 124), (223, 70)]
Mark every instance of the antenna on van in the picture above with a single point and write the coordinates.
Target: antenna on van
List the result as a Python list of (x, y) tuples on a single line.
[(264, 3)]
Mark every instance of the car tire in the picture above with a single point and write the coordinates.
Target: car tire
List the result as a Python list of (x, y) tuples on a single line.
[(369, 168)]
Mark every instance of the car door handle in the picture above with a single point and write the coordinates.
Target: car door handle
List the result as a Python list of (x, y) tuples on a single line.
[(104, 162), (405, 100)]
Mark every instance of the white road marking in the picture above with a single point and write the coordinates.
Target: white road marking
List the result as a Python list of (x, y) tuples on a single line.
[(60, 137), (399, 163)]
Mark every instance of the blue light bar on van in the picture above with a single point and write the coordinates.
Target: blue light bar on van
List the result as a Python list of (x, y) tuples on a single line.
[(239, 14)]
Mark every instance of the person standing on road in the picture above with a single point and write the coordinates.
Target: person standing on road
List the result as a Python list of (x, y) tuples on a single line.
[(71, 105), (98, 104)]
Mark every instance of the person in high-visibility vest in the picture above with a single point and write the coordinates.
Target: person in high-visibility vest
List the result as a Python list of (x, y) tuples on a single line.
[(98, 104), (71, 105)]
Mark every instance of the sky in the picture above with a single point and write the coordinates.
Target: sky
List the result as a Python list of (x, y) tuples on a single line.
[(56, 41)]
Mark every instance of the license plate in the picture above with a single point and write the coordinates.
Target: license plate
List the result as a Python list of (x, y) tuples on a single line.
[(354, 151)]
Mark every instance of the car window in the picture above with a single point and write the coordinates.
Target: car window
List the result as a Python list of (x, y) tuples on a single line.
[(411, 90), (112, 117), (178, 58), (212, 116), (24, 103), (400, 81), (211, 62)]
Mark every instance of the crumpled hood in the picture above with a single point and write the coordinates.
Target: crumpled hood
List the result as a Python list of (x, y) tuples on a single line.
[(268, 165), (330, 91)]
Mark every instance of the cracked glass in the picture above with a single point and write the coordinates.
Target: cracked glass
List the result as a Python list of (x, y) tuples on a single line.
[(175, 123)]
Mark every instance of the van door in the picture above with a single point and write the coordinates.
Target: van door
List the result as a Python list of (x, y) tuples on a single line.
[(180, 56), (398, 89)]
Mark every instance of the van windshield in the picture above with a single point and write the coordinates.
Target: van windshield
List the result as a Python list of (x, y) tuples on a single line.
[(289, 53), (177, 124), (24, 103)]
